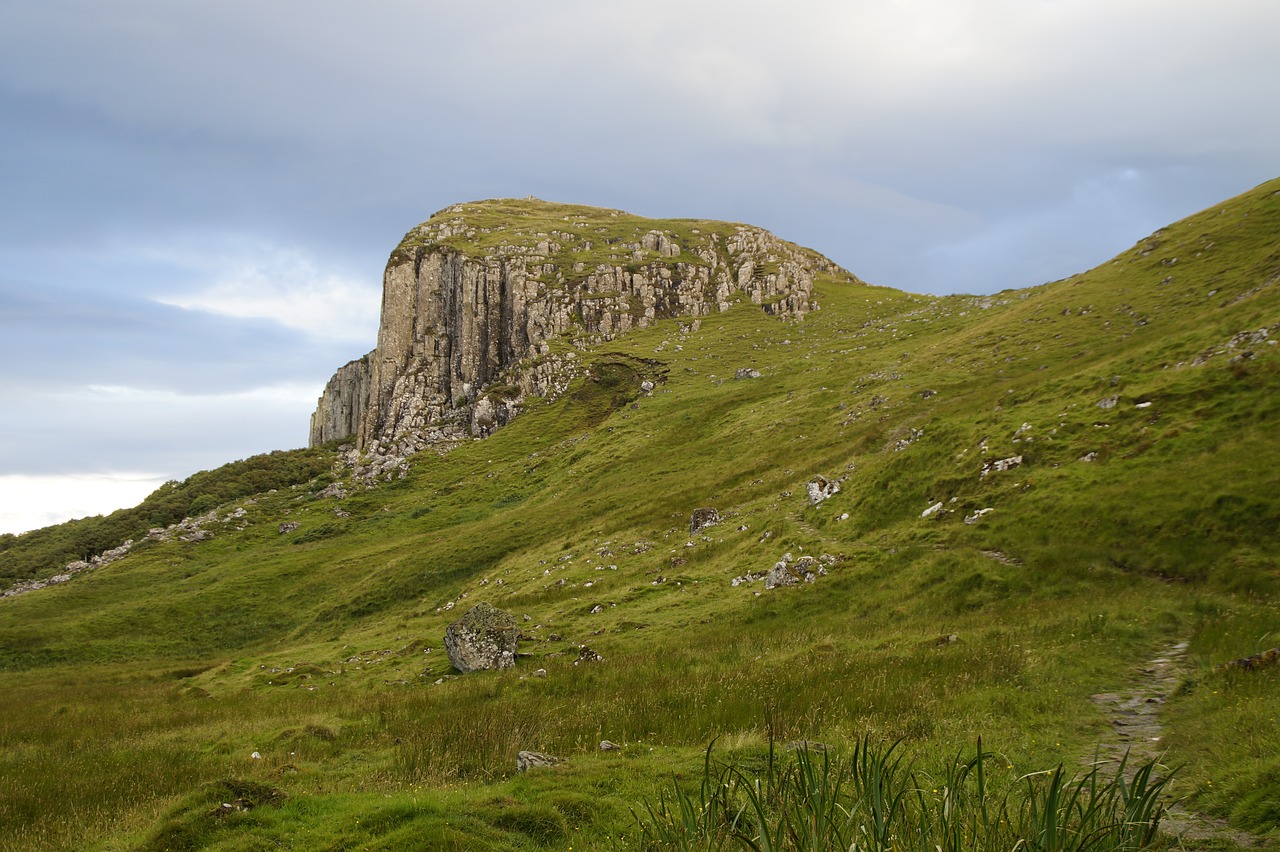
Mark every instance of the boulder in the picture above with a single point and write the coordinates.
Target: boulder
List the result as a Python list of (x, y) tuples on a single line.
[(781, 574), (746, 373), (484, 638)]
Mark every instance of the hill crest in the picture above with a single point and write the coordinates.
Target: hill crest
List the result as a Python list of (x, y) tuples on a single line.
[(484, 302)]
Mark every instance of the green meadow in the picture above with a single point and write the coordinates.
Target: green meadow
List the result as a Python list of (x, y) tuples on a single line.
[(938, 677)]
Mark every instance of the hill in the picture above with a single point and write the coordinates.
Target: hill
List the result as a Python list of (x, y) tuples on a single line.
[(1038, 492)]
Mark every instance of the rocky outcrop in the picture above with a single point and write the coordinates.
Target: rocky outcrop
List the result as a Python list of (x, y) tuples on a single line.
[(476, 298), (703, 518)]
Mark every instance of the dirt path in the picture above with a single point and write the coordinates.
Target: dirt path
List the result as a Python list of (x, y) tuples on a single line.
[(1136, 731)]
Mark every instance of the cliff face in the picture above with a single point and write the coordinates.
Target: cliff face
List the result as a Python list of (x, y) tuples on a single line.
[(343, 403), (475, 299)]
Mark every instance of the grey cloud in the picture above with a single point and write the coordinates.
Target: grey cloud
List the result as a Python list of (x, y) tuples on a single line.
[(64, 337)]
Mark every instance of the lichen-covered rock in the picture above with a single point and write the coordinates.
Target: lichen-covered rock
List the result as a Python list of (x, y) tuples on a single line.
[(484, 638)]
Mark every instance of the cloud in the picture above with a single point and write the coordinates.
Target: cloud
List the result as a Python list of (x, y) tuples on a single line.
[(101, 428), (284, 286), (74, 334), (30, 502)]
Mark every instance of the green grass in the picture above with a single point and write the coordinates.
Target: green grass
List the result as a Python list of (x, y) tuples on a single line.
[(874, 799), (132, 697)]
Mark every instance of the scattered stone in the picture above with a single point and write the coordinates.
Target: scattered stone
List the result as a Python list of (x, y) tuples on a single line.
[(605, 745), (1001, 465), (1107, 403), (255, 756), (1088, 457), (646, 386), (932, 510), (785, 573), (586, 655), (484, 638), (703, 518), (527, 760), (781, 575), (949, 639), (747, 373), (926, 393), (540, 673), (978, 515), (912, 436), (335, 489), (820, 488), (288, 527)]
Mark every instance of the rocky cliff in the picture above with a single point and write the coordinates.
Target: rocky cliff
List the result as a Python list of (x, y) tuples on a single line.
[(482, 305)]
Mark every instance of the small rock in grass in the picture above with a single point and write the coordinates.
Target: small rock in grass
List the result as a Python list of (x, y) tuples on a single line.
[(527, 760)]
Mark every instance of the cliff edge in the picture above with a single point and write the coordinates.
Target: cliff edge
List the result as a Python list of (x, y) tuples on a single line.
[(476, 298)]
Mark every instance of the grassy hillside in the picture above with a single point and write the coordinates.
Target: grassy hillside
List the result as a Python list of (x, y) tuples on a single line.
[(1141, 398), (41, 553)]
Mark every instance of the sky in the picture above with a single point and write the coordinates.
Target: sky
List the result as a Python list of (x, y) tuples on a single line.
[(197, 199)]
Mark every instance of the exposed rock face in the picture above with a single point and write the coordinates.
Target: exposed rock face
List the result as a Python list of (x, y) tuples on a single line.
[(484, 638), (344, 402), (474, 297)]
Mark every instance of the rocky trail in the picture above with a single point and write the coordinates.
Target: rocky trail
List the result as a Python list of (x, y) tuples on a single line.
[(1136, 731)]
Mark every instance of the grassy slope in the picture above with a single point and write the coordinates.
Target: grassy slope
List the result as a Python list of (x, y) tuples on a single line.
[(134, 695)]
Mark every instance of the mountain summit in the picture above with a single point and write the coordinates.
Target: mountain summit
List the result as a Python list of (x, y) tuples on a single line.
[(478, 300)]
